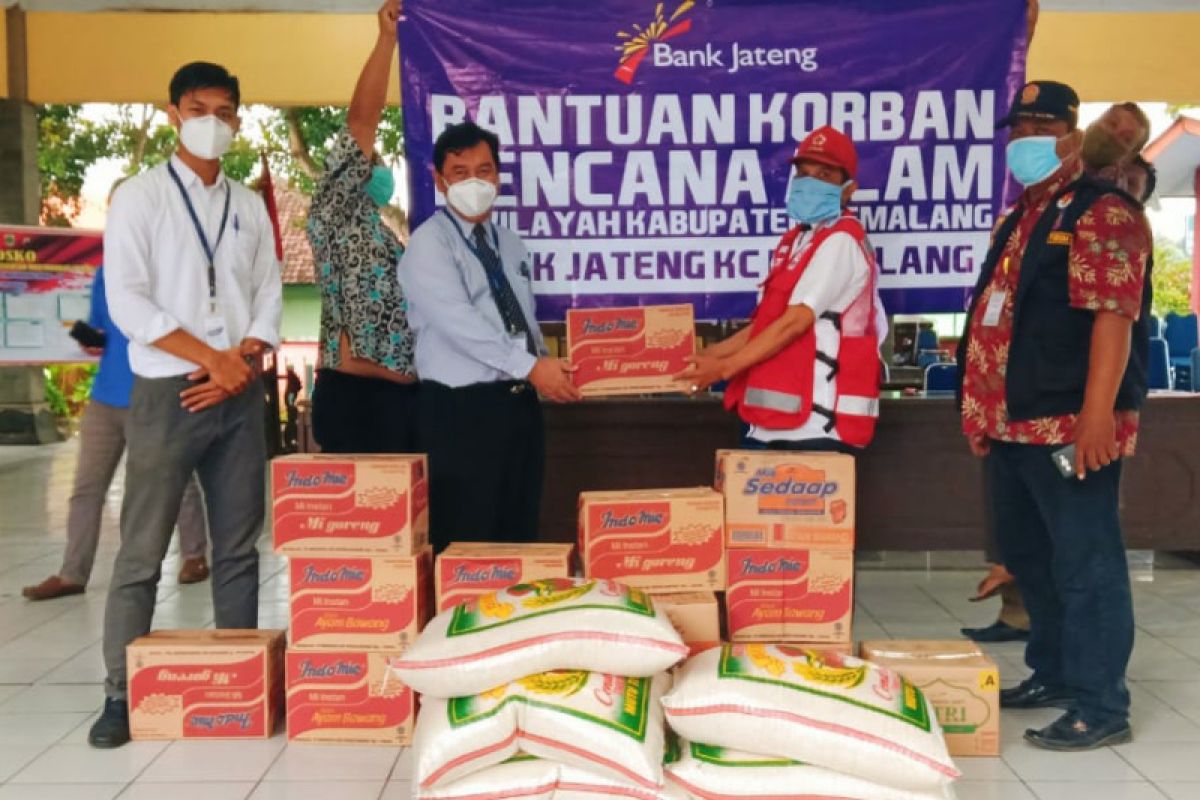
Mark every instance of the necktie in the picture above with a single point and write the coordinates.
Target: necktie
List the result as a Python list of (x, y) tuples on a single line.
[(510, 310)]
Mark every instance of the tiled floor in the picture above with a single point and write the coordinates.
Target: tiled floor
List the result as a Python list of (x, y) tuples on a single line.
[(50, 675)]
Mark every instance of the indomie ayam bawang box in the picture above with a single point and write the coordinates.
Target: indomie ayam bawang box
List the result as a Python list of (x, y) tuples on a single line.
[(619, 351), (205, 684), (790, 595), (377, 604), (660, 540), (787, 499), (347, 698), (339, 505)]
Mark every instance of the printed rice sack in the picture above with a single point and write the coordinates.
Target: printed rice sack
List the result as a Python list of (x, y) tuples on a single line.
[(717, 773), (826, 709), (555, 624), (528, 778), (606, 724)]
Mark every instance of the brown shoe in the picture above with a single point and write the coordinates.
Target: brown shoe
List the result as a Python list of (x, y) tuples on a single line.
[(52, 587), (194, 570)]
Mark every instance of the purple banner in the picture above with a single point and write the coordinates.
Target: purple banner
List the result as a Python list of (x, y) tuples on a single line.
[(645, 145)]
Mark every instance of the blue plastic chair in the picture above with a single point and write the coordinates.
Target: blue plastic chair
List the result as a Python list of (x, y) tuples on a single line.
[(941, 379), (926, 358), (1156, 327), (1160, 365), (1182, 338), (1195, 370)]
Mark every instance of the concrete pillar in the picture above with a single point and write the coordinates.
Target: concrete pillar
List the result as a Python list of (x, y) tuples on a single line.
[(25, 418), (20, 192)]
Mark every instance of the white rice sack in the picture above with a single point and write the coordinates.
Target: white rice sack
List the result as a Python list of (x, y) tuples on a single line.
[(530, 628), (717, 773), (609, 725), (529, 778), (836, 712)]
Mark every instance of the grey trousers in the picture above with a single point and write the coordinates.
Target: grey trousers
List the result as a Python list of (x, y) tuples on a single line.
[(101, 445), (226, 448)]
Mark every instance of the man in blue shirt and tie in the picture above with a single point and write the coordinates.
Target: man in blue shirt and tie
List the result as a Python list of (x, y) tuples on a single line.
[(479, 353)]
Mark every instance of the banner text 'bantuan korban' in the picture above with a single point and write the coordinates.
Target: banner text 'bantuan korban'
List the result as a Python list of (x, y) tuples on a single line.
[(645, 145)]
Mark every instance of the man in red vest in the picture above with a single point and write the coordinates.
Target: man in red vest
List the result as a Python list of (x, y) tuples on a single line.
[(804, 374)]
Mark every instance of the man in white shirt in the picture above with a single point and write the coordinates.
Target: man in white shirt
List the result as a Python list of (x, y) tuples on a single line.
[(804, 375), (194, 283)]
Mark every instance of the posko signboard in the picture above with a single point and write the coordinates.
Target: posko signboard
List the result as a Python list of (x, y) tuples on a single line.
[(646, 145)]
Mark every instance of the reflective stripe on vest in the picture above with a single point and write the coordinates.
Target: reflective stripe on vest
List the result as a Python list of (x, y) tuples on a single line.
[(858, 406), (773, 400)]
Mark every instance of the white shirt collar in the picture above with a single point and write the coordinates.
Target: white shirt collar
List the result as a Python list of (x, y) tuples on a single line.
[(468, 228), (190, 178)]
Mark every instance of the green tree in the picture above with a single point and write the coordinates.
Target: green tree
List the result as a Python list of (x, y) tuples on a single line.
[(296, 141), (1172, 279)]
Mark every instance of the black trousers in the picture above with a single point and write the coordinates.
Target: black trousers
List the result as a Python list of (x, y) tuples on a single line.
[(486, 447), (355, 414), (1061, 538)]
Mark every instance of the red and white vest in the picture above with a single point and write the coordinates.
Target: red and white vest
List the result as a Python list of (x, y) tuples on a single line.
[(777, 393)]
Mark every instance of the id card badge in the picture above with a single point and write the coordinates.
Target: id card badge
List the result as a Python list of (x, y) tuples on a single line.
[(216, 335), (991, 315)]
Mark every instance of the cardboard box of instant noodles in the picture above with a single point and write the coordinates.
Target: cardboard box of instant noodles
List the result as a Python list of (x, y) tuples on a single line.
[(205, 684), (659, 540), (377, 604), (621, 351), (348, 697), (325, 506)]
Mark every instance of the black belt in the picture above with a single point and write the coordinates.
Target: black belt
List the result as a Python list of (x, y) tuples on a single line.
[(493, 387)]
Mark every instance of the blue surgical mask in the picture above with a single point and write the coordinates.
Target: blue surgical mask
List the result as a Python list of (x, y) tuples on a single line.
[(381, 185), (1033, 159), (811, 200)]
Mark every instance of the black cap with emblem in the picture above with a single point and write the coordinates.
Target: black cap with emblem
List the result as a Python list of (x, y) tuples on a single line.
[(1044, 100)]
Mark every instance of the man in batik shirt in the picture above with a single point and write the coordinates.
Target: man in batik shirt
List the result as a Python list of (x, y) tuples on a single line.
[(1053, 370)]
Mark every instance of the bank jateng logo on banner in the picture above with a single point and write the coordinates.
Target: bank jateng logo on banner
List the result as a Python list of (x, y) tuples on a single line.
[(646, 146), (653, 41)]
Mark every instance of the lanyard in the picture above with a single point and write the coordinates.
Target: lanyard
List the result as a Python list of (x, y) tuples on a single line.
[(209, 251), (492, 278)]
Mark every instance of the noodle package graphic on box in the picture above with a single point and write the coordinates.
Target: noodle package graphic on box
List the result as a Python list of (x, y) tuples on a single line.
[(787, 499), (466, 570), (347, 697), (377, 604), (330, 505), (790, 595), (205, 684), (660, 540), (636, 350)]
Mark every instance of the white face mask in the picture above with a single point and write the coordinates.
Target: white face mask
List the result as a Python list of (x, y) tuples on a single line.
[(206, 137), (473, 197)]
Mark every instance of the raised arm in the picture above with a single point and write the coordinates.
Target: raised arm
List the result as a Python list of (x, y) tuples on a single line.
[(370, 93)]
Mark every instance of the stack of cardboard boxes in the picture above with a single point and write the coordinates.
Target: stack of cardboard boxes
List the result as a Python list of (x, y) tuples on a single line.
[(789, 530), (356, 531)]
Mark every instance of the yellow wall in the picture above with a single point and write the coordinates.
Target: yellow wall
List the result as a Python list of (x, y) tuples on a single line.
[(281, 59), (1141, 57), (313, 59)]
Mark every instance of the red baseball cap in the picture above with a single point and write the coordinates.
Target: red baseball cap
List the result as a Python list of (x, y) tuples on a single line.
[(827, 145)]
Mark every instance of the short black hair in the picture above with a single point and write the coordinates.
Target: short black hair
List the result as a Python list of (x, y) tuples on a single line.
[(463, 136), (204, 75)]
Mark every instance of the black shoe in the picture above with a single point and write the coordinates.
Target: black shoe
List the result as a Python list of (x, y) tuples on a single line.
[(996, 632), (1035, 695), (1069, 733), (112, 728)]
